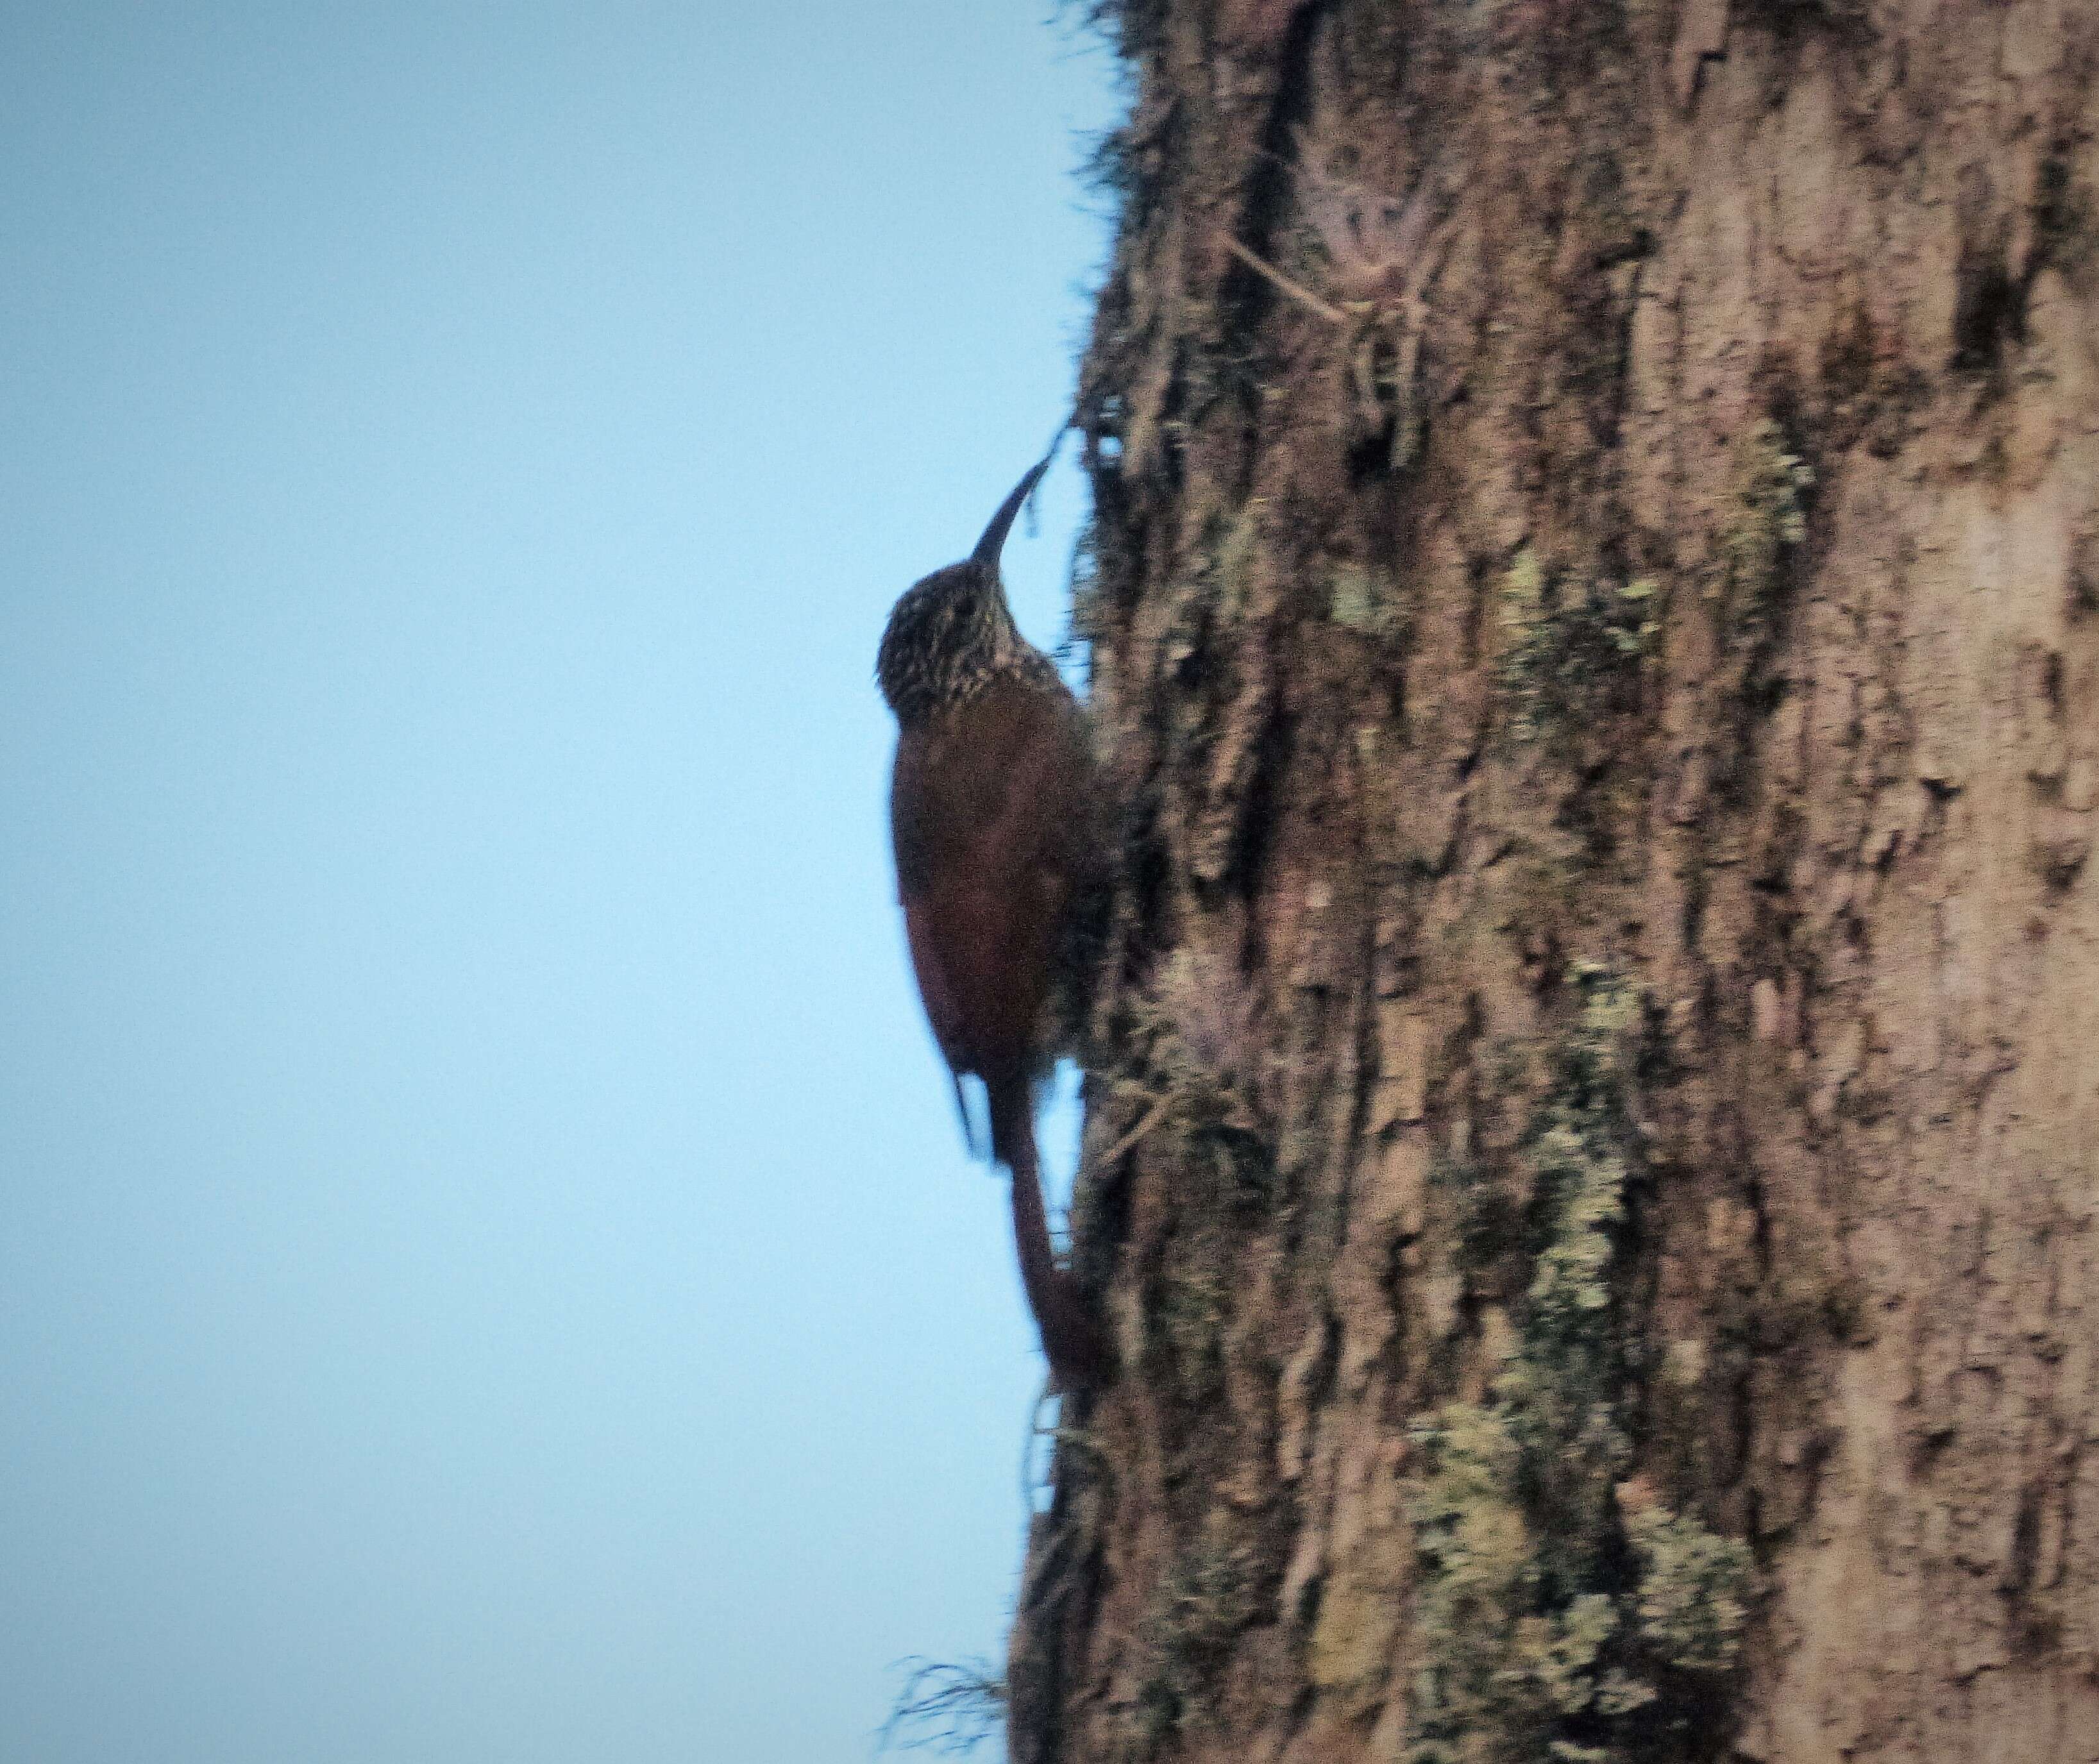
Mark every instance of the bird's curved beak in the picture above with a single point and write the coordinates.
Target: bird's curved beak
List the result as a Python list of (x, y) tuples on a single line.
[(994, 541)]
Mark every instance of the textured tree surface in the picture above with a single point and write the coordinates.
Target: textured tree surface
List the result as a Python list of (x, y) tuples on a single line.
[(1593, 604)]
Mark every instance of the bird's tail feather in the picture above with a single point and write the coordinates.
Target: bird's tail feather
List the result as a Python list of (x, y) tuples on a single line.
[(1077, 1349)]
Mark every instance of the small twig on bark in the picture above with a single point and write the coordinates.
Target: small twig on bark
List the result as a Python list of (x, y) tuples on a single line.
[(1303, 296), (1152, 1117)]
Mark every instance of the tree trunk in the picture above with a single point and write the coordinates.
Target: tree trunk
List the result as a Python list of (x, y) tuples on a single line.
[(1594, 608)]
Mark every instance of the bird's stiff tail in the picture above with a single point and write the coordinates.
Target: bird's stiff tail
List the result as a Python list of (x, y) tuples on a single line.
[(1075, 1345)]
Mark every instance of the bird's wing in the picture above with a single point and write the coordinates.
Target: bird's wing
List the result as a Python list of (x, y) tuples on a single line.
[(981, 814), (939, 1000)]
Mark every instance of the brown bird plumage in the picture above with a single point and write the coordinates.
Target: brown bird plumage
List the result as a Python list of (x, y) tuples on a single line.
[(994, 815)]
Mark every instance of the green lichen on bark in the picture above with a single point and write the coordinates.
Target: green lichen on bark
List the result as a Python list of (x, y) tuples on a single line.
[(1178, 1097), (1562, 1612), (1568, 644), (1369, 602), (1769, 519), (1210, 1593)]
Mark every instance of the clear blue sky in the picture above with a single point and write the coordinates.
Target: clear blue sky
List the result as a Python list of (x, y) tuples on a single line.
[(487, 1268)]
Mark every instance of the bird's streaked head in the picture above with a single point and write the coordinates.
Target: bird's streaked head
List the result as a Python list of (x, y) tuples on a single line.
[(951, 631)]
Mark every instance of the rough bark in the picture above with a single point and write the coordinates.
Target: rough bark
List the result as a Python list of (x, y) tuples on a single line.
[(1594, 608)]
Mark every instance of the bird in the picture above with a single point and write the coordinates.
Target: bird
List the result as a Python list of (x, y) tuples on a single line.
[(996, 826)]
